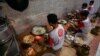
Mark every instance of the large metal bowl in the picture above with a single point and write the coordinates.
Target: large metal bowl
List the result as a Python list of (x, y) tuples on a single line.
[(80, 38), (38, 30)]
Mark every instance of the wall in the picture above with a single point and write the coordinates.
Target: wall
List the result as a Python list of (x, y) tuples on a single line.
[(37, 11)]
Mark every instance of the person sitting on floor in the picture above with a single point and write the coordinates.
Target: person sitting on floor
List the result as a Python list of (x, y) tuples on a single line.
[(84, 7), (91, 7), (56, 35), (86, 21)]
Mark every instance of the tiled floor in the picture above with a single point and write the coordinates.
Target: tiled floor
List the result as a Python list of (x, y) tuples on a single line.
[(94, 45), (68, 51), (98, 51), (95, 42)]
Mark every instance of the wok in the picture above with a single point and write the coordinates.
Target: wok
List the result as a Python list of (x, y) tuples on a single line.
[(19, 5)]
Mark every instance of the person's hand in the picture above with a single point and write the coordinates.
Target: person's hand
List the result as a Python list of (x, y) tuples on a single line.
[(49, 27)]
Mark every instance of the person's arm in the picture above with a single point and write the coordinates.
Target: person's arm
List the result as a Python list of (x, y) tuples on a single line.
[(49, 27)]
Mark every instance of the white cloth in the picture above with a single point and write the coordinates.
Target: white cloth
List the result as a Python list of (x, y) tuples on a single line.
[(86, 9), (58, 37), (91, 11), (87, 25)]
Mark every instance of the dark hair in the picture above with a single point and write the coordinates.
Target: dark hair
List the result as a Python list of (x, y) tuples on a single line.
[(84, 13), (91, 2), (84, 5), (52, 18)]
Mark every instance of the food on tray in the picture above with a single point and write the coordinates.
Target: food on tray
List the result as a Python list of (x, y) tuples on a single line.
[(37, 48), (31, 52), (28, 39), (44, 48), (69, 37), (62, 21), (72, 28), (38, 30)]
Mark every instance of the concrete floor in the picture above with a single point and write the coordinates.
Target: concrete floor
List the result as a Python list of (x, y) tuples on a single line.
[(94, 45), (95, 42), (98, 51), (68, 51)]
